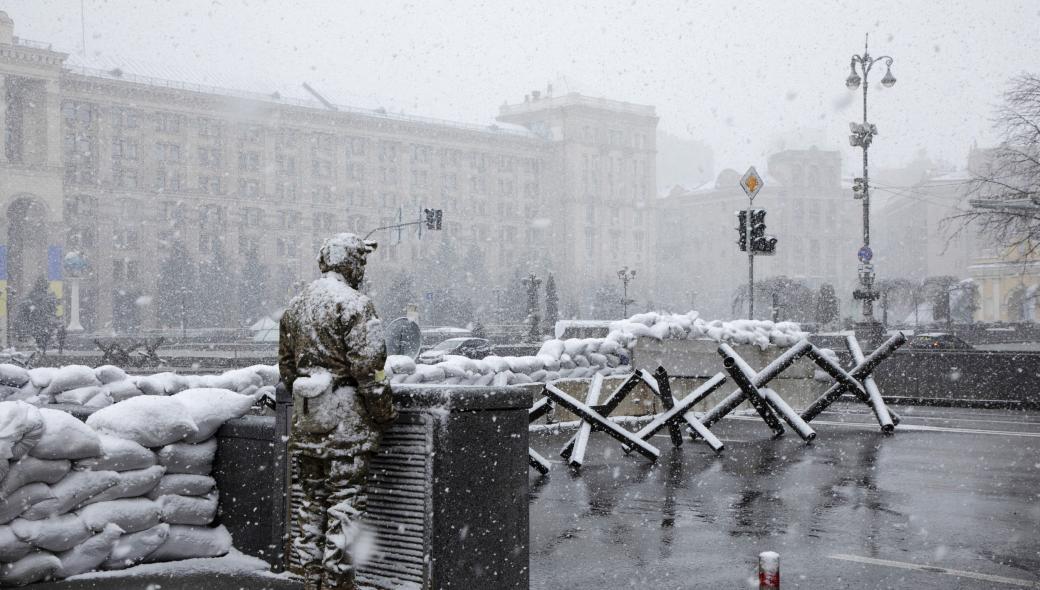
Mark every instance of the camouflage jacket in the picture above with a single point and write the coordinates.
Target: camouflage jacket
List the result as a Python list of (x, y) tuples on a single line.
[(331, 326)]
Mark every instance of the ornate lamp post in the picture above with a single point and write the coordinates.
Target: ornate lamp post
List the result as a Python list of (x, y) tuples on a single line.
[(862, 136), (75, 265), (626, 276)]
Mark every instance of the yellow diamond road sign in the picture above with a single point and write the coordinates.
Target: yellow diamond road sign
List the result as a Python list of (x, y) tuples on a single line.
[(751, 182)]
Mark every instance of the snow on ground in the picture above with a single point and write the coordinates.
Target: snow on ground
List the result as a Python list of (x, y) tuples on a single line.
[(235, 562)]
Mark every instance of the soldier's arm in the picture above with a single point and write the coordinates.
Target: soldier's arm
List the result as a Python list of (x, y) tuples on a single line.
[(286, 352), (366, 349)]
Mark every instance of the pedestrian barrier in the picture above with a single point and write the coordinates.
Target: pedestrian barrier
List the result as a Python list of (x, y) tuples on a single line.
[(752, 387)]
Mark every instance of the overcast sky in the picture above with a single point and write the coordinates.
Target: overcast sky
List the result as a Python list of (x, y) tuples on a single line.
[(741, 76)]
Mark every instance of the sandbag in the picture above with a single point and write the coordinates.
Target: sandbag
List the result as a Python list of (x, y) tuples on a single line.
[(21, 427), (121, 390), (73, 490), (65, 437), (107, 374), (194, 459), (11, 547), (132, 484), (31, 568), (41, 377), (211, 408), (183, 484), (58, 533), (269, 375), (171, 383), (197, 510), (23, 499), (13, 375), (149, 386), (80, 395), (70, 377), (131, 548), (150, 421), (186, 542), (131, 514), (30, 469), (118, 454), (7, 391), (89, 554)]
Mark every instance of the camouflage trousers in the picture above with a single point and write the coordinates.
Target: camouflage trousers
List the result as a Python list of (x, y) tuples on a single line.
[(327, 503)]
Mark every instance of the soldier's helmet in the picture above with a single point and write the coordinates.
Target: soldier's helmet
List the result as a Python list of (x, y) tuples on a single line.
[(345, 254)]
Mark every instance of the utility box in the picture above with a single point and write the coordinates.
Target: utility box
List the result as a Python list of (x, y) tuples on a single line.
[(447, 490)]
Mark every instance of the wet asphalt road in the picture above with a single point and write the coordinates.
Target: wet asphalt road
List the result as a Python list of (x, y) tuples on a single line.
[(952, 489)]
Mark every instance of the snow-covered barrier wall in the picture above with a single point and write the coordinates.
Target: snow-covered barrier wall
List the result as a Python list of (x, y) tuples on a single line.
[(131, 485)]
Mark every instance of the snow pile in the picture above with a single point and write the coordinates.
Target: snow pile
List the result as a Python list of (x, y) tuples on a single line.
[(580, 358), (131, 485), (106, 385)]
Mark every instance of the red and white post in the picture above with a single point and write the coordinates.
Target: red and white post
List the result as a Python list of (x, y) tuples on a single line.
[(769, 570)]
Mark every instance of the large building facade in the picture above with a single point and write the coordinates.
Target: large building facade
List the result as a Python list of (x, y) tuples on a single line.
[(161, 184)]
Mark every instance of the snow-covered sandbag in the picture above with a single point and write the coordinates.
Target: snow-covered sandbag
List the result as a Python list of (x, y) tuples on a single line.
[(7, 391), (29, 469), (70, 377), (520, 379), (538, 376), (552, 348), (497, 363), (22, 499), (131, 514), (171, 382), (398, 364), (121, 390), (429, 373), (41, 377), (149, 386), (398, 378), (452, 369), (147, 420), (453, 380), (73, 490), (183, 484), (193, 459), (107, 374), (65, 437), (581, 361), (197, 510), (269, 375), (502, 379), (131, 548), (11, 547), (80, 395), (132, 484), (89, 554), (485, 380), (13, 375), (186, 542), (211, 408), (549, 363), (237, 380), (21, 427), (31, 568), (58, 533), (596, 359), (118, 454), (566, 363)]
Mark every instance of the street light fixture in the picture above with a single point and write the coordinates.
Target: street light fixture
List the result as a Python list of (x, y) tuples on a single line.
[(862, 136), (626, 276)]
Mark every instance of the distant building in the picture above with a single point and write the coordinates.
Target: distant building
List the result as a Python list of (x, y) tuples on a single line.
[(131, 170)]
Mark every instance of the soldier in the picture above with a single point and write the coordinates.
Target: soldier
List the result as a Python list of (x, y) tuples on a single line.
[(331, 355)]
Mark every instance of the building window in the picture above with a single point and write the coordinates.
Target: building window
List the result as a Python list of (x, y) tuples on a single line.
[(321, 168), (167, 123), (124, 179), (387, 151), (248, 187), (356, 146), (355, 171), (210, 157), (286, 191), (210, 185), (210, 127), (322, 193), (252, 133), (421, 154), (286, 165), (167, 152), (388, 174), (249, 161), (124, 149)]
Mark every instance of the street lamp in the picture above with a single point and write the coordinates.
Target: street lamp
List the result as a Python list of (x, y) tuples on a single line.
[(862, 136), (626, 275)]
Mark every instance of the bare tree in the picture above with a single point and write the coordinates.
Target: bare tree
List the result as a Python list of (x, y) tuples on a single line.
[(1005, 186)]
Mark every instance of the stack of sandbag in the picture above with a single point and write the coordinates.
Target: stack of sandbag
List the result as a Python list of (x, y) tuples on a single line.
[(133, 484)]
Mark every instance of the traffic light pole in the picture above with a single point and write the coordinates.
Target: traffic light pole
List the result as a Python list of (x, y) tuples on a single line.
[(750, 265)]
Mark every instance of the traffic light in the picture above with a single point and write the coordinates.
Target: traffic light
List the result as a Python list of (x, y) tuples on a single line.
[(760, 242), (742, 230), (433, 218)]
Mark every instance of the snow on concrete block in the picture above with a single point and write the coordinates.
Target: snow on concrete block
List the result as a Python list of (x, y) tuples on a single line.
[(72, 491), (132, 484), (31, 568), (118, 454), (211, 408), (194, 510), (89, 554), (132, 548), (58, 533), (11, 547), (130, 514), (29, 470), (65, 437), (22, 499), (150, 421), (192, 459), (13, 375), (183, 484), (185, 542)]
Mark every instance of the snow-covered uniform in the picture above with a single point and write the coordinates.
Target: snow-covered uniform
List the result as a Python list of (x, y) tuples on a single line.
[(331, 354)]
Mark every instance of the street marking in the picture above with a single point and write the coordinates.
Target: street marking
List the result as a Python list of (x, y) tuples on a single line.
[(915, 428), (947, 418), (937, 570)]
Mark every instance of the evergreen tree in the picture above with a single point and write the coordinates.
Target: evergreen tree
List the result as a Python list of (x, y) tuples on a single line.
[(552, 304), (826, 305), (214, 302), (37, 314), (253, 289), (176, 286)]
